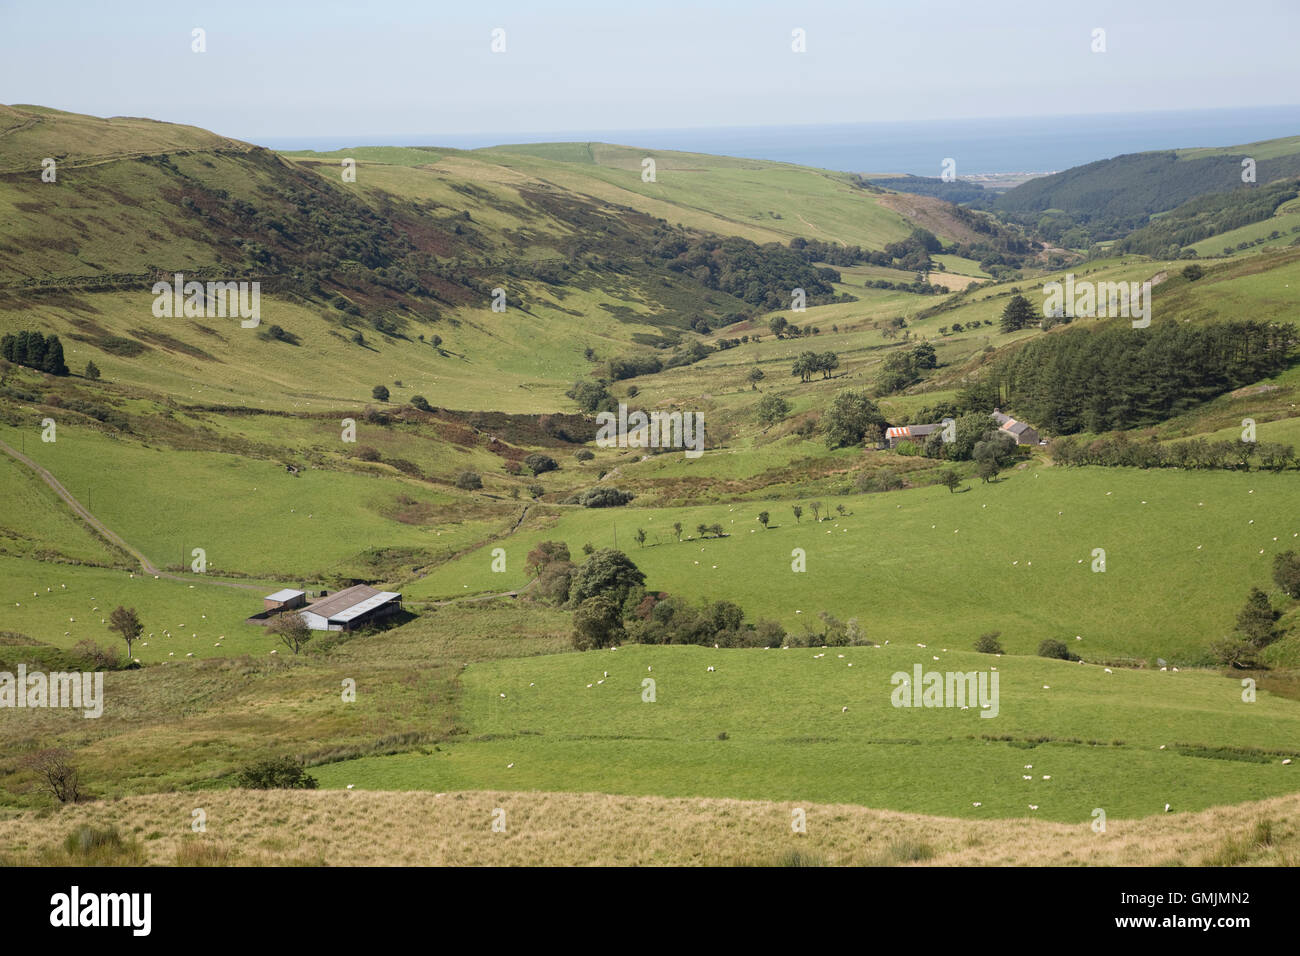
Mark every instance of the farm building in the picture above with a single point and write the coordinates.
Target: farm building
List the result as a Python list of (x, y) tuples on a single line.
[(913, 433), (284, 600), (351, 607), (1022, 433)]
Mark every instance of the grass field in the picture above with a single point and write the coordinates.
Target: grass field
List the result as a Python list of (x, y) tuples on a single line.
[(1013, 556), (538, 725)]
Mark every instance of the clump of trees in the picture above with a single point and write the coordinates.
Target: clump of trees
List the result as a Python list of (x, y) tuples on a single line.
[(807, 364), (851, 418), (34, 350), (904, 367), (1194, 453), (1111, 379)]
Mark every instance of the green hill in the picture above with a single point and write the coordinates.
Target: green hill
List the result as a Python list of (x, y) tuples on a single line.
[(1109, 198)]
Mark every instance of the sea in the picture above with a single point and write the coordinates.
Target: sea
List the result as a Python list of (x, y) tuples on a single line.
[(1000, 146)]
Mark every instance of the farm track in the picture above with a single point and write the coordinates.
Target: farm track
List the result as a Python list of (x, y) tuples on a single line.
[(108, 534)]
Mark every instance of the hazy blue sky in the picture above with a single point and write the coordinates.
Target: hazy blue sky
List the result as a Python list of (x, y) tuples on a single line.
[(275, 69)]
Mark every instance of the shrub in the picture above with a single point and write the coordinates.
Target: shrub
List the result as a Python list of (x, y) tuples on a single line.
[(513, 467), (988, 643), (96, 658), (275, 773), (422, 403), (584, 454), (1056, 649), (379, 393), (604, 498), (92, 846), (366, 453), (539, 464), (469, 481), (1233, 652)]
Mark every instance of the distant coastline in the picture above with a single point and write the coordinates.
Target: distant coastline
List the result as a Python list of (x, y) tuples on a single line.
[(1026, 145)]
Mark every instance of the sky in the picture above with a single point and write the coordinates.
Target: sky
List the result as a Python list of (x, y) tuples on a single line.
[(387, 68)]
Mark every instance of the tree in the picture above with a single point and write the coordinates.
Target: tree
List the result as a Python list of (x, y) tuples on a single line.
[(988, 643), (987, 470), (1193, 272), (950, 480), (677, 529), (58, 777), (598, 622), (1286, 573), (763, 518), (379, 393), (1255, 620), (544, 554), (772, 408), (607, 572), (640, 536), (469, 481), (702, 530), (755, 376), (848, 418), (292, 631), (1018, 314), (92, 371), (798, 513), (816, 507), (777, 324), (127, 623), (422, 403)]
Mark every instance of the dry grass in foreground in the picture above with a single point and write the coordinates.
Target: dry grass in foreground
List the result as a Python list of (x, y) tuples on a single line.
[(334, 828)]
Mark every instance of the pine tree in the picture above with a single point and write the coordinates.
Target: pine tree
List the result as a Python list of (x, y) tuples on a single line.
[(53, 362), (1018, 314), (92, 371)]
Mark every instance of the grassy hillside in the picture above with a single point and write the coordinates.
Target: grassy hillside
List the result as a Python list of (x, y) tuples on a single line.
[(338, 828)]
